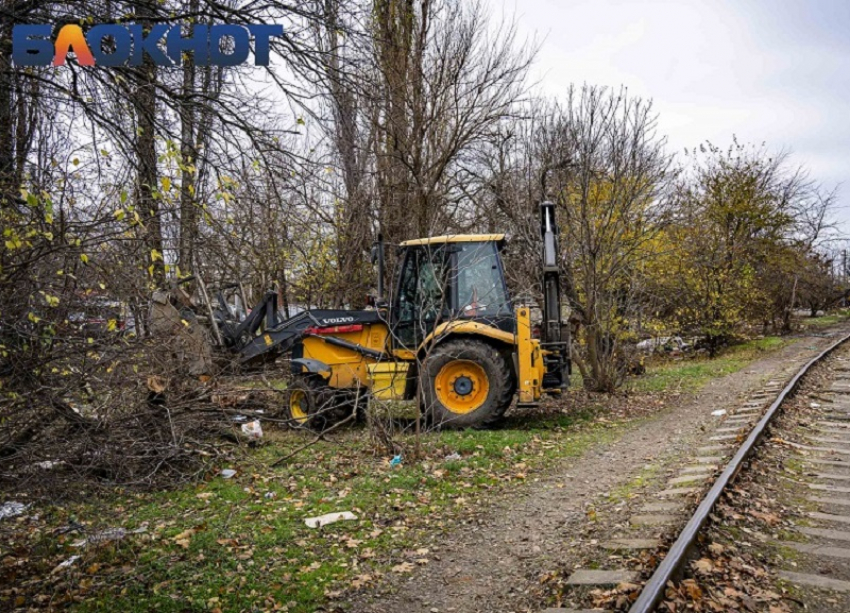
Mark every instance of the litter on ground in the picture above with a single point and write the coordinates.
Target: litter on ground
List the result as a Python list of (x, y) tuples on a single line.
[(107, 535), (253, 430), (12, 509), (329, 518), (67, 563)]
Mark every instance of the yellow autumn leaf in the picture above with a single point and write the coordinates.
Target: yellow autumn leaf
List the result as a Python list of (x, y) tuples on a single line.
[(184, 537)]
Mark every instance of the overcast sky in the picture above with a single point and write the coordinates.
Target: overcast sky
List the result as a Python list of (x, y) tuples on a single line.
[(773, 71)]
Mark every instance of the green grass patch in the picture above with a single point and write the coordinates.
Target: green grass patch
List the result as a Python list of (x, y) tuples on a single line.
[(241, 543), (691, 374), (270, 383), (829, 319), (630, 489), (791, 535), (786, 554), (794, 465)]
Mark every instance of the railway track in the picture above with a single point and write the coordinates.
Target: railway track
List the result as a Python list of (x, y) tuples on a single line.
[(820, 446)]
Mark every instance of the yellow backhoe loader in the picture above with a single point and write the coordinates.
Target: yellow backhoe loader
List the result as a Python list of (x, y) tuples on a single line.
[(449, 336)]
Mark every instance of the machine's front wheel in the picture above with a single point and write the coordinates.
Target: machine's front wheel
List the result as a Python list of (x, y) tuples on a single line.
[(467, 383), (311, 403)]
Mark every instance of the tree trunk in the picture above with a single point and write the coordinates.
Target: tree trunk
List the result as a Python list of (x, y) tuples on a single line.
[(354, 232), (395, 20), (144, 103), (789, 310), (188, 161)]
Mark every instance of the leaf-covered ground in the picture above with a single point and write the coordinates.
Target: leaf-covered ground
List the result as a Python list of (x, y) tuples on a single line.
[(241, 544)]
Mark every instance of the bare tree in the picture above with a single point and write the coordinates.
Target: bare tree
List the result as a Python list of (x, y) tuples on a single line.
[(608, 176), (447, 79)]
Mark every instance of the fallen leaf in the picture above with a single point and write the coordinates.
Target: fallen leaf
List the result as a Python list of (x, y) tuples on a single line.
[(716, 548), (360, 581), (184, 538), (692, 589), (404, 567), (768, 518)]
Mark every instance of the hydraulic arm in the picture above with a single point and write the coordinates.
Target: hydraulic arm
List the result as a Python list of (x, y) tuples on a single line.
[(554, 339)]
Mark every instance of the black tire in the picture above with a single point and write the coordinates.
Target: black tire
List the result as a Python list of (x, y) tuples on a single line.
[(317, 407), (480, 412), (347, 402)]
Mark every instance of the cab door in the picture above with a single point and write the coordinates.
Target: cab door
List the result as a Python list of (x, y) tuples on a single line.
[(422, 298)]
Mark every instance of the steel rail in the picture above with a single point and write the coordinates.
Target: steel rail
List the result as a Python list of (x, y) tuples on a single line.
[(653, 591)]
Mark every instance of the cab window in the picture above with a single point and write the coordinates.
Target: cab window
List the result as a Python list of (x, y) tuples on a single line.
[(481, 290)]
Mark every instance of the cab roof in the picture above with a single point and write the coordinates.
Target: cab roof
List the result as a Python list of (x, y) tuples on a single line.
[(454, 238)]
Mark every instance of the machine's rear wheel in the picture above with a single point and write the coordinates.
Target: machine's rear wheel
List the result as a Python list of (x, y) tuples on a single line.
[(467, 383)]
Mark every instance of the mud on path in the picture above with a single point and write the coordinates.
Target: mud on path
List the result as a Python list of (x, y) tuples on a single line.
[(500, 561)]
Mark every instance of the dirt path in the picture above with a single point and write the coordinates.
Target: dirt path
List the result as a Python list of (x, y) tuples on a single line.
[(495, 563)]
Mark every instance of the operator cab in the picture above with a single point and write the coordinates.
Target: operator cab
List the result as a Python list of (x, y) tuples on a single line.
[(449, 278)]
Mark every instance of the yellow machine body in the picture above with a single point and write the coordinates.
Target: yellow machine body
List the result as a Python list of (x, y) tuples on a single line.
[(385, 377), (348, 368)]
